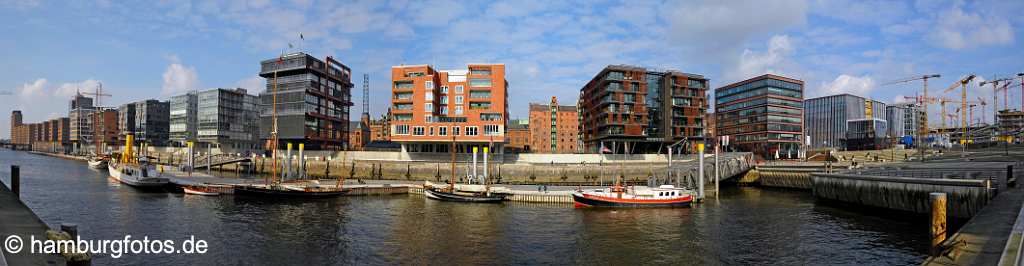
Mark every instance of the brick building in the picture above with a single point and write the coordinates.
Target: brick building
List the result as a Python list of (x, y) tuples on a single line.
[(554, 128), (430, 108), (518, 136), (646, 108), (105, 127)]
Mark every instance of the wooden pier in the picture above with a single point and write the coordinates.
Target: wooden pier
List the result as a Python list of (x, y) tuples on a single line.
[(16, 219)]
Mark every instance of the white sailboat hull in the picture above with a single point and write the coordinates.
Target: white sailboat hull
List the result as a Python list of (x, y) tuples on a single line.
[(136, 176), (97, 164)]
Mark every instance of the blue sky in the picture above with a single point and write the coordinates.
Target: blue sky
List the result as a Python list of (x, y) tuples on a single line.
[(154, 49)]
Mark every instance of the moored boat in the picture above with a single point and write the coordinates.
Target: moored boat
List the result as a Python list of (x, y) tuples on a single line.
[(618, 196), (97, 163), (282, 191), (200, 190), (480, 197), (135, 171)]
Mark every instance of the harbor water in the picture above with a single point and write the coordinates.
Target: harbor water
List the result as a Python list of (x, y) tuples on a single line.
[(745, 226)]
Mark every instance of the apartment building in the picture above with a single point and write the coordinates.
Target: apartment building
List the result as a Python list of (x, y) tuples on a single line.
[(554, 128), (646, 108), (763, 115), (313, 98), (430, 109)]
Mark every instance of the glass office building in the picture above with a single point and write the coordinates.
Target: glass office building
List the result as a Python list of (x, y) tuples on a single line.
[(763, 115), (227, 118), (183, 118), (825, 119)]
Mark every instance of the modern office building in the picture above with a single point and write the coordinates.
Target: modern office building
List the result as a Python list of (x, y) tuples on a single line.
[(184, 115), (763, 115), (867, 134), (825, 118), (81, 114), (430, 109), (904, 120), (555, 128), (313, 101), (518, 136), (227, 118), (147, 120), (646, 108)]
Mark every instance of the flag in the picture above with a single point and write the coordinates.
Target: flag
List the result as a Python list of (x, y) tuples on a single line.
[(300, 36), (290, 46), (604, 149), (280, 59)]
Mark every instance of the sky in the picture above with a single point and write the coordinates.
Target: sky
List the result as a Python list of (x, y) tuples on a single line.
[(154, 49)]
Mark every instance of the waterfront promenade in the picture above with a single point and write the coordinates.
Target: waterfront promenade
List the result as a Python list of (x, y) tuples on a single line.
[(17, 219)]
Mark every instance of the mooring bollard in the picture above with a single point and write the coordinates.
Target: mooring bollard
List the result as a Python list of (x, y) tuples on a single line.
[(938, 221), (16, 180)]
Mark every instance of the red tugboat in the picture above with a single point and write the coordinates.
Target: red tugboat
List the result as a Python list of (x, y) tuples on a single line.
[(633, 197)]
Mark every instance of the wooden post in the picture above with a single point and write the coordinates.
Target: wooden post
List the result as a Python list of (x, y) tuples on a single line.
[(16, 180), (938, 221)]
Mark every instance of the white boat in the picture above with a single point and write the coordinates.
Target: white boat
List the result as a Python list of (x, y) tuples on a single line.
[(137, 175), (200, 190), (97, 163)]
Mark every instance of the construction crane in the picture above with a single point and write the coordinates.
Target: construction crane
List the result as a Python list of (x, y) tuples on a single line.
[(97, 94), (995, 90), (97, 116), (983, 104), (1021, 76), (962, 83), (924, 105)]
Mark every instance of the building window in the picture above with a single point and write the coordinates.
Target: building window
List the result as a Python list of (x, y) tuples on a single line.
[(479, 82), (429, 96), (403, 117), (480, 94), (444, 99), (417, 131), (458, 99), (491, 130), (428, 118), (403, 84), (431, 131), (455, 130), (444, 110), (429, 85), (458, 89), (458, 110), (480, 72), (402, 130), (444, 88), (472, 131), (428, 107), (442, 131)]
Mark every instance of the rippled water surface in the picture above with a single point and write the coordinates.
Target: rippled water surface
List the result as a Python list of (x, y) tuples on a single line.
[(746, 226)]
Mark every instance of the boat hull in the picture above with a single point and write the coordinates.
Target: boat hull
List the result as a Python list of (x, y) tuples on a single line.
[(198, 191), (445, 196), (583, 201), (97, 164), (266, 192), (136, 178)]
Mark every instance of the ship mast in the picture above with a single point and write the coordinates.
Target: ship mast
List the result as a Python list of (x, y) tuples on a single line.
[(451, 185), (273, 131)]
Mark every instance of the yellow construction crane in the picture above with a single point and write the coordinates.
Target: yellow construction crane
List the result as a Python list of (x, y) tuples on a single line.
[(924, 79), (962, 83)]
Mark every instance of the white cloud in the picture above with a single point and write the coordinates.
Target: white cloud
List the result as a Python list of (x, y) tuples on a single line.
[(754, 63), (856, 85), (179, 78), (435, 13), (957, 30), (29, 90), (870, 12), (900, 98), (253, 85), (719, 26), (68, 90)]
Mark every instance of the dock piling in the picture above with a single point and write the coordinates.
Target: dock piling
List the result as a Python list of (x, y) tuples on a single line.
[(938, 221), (16, 180)]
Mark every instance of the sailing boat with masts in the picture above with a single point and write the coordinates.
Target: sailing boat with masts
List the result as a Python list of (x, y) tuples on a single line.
[(620, 195), (273, 186), (451, 194)]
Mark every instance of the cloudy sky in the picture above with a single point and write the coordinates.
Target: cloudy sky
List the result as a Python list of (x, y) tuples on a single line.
[(150, 49)]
